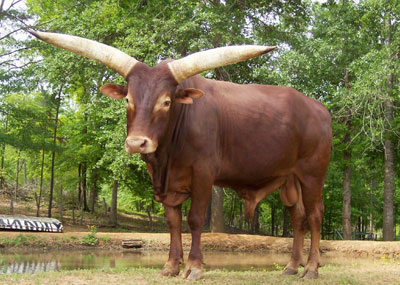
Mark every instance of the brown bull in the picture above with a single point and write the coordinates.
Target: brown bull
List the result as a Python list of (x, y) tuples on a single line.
[(194, 132)]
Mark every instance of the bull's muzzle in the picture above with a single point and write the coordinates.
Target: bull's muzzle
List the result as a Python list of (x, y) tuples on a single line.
[(140, 144)]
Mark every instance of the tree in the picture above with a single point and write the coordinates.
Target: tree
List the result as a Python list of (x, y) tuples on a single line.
[(217, 210), (342, 53)]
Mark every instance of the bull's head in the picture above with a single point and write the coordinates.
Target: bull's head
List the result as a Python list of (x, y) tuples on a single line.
[(151, 92)]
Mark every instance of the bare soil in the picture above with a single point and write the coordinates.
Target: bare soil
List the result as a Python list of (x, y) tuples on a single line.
[(137, 227)]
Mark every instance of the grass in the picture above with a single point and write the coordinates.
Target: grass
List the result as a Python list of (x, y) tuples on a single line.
[(20, 240), (330, 274)]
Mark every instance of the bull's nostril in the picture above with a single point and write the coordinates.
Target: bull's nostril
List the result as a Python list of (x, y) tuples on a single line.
[(143, 145), (139, 144)]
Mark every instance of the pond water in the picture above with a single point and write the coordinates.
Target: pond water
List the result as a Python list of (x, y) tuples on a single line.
[(56, 260)]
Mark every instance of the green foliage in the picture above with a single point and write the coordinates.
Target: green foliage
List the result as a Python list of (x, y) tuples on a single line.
[(105, 239), (317, 42), (91, 239), (19, 240)]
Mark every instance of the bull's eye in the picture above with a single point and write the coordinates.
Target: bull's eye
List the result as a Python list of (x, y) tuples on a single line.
[(163, 103), (127, 101)]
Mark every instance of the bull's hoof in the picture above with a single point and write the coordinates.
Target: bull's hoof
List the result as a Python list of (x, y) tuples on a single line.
[(289, 271), (192, 273), (168, 271), (308, 274)]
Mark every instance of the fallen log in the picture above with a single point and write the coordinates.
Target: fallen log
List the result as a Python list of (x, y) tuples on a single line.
[(132, 243)]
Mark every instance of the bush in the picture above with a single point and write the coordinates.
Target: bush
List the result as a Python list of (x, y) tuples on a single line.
[(91, 239)]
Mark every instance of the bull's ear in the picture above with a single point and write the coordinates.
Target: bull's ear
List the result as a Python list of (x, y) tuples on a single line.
[(114, 90), (185, 96)]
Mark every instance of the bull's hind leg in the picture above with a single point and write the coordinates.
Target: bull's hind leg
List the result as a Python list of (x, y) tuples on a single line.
[(299, 224), (314, 208)]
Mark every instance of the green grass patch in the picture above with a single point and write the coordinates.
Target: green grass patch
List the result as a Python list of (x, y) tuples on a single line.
[(330, 274), (105, 239)]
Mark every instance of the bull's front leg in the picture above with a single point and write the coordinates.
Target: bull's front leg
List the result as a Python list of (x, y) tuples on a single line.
[(174, 221), (196, 219)]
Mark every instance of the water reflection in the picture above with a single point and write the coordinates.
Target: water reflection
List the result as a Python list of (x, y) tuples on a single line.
[(29, 267), (28, 262), (34, 262)]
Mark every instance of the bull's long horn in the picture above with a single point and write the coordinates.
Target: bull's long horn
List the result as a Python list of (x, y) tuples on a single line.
[(107, 55), (209, 59)]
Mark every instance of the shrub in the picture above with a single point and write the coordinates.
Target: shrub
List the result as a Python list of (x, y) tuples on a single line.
[(91, 239)]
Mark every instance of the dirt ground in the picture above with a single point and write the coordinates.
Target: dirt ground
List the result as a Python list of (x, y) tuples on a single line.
[(210, 241), (73, 235)]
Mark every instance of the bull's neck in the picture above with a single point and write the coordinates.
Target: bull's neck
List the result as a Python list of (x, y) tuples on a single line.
[(169, 145)]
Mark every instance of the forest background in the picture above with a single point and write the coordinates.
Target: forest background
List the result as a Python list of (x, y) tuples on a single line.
[(61, 141)]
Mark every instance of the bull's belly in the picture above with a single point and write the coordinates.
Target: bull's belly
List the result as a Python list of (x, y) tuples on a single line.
[(239, 182), (254, 174)]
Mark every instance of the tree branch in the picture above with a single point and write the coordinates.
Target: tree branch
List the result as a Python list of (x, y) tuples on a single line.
[(14, 51), (13, 66), (10, 33), (12, 4)]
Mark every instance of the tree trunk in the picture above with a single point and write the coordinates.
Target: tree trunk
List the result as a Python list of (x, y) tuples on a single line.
[(388, 188), (150, 217), (17, 177), (84, 163), (41, 186), (3, 153), (233, 208), (286, 220), (217, 210), (84, 187), (11, 198), (273, 214), (25, 177), (241, 215), (346, 216), (93, 191), (105, 207), (60, 204), (113, 214), (79, 185), (388, 192), (53, 154), (82, 212), (255, 223), (371, 204)]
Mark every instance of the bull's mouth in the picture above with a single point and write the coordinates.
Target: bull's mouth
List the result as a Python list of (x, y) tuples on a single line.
[(140, 144)]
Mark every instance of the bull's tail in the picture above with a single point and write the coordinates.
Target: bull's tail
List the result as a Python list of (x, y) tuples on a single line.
[(299, 204)]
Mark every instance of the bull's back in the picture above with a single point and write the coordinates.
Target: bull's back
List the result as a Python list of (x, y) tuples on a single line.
[(253, 133), (264, 130)]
